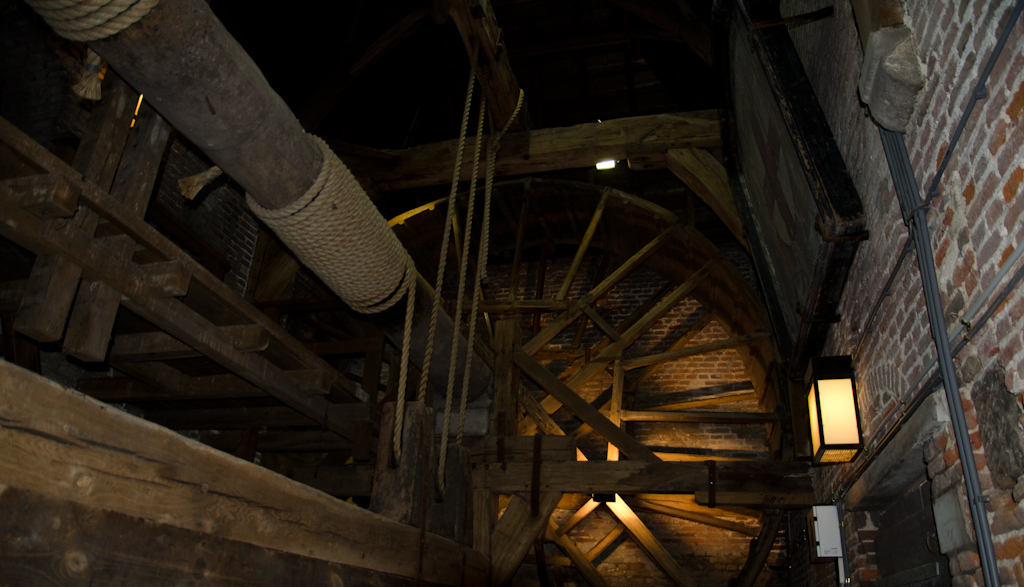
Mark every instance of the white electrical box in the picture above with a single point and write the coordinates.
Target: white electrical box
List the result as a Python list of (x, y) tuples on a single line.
[(825, 532)]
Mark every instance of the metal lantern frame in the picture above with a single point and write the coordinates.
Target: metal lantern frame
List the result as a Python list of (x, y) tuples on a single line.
[(831, 369)]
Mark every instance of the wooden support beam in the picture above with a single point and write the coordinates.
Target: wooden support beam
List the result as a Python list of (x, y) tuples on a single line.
[(552, 149), (485, 512), (64, 445), (689, 504), (507, 334), (703, 174), (579, 560), (404, 484), (615, 407), (761, 547), (45, 196), (577, 517), (696, 416), (717, 399), (648, 543), (54, 279), (92, 319), (794, 499), (705, 519), (515, 532), (484, 41), (556, 326), (598, 364), (601, 324), (693, 351), (501, 307), (340, 481), (595, 220), (52, 541), (240, 418), (631, 477), (583, 410), (160, 346)]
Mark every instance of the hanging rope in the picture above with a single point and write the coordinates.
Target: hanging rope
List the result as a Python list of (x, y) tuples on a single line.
[(457, 320), (91, 20), (446, 234), (481, 263)]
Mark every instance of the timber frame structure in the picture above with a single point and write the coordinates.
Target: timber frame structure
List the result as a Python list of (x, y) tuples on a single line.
[(189, 354)]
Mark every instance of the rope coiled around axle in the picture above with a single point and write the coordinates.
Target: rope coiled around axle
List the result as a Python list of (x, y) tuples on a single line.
[(91, 20)]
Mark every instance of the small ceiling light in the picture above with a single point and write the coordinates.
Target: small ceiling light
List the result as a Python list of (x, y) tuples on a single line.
[(609, 164), (832, 404)]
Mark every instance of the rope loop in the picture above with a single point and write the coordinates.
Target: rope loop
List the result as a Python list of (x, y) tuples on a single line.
[(91, 20)]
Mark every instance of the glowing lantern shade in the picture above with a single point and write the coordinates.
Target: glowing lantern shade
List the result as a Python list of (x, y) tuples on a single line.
[(832, 404), (609, 164)]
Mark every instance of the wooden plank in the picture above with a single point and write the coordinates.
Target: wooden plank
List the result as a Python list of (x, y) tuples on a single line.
[(577, 517), (239, 418), (552, 149), (521, 306), (703, 174), (583, 410), (521, 449), (50, 541), (689, 503), (648, 543), (761, 548), (598, 364), (536, 417), (67, 446), (615, 407), (507, 334), (339, 480), (579, 560), (631, 477), (705, 519), (605, 542), (601, 324), (194, 330), (159, 382), (92, 319), (11, 293), (485, 511), (515, 532), (796, 499), (18, 348), (701, 417), (725, 398), (569, 316), (680, 342), (45, 196), (693, 351), (160, 346), (574, 267)]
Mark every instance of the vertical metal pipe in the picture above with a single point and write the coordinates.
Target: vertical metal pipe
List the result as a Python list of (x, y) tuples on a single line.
[(914, 215)]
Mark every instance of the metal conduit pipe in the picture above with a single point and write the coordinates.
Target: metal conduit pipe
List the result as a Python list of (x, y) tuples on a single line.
[(915, 216), (197, 76)]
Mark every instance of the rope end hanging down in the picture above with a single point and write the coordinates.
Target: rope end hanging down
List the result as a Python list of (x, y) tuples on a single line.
[(90, 82)]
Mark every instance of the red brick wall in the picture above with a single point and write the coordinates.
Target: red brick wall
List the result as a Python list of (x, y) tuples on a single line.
[(975, 225)]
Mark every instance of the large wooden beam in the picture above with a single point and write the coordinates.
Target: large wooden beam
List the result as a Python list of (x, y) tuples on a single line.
[(583, 564), (484, 40), (631, 477), (52, 541), (551, 149), (761, 547), (64, 445), (700, 518), (515, 532), (649, 544)]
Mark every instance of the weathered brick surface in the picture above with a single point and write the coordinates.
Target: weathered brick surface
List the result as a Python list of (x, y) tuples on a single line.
[(975, 224)]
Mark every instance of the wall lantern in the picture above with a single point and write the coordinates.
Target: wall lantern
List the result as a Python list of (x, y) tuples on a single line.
[(832, 404), (609, 164)]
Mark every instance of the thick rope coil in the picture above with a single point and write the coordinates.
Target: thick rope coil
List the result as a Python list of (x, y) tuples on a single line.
[(340, 235), (91, 20), (457, 320), (481, 263), (443, 261)]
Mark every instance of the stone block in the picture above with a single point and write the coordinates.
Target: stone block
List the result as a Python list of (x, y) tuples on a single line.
[(891, 78), (949, 522)]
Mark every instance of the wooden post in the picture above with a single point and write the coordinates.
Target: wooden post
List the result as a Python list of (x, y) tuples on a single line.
[(399, 483), (508, 335)]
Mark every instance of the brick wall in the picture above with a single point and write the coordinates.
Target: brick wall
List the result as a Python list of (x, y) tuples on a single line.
[(975, 226), (218, 214)]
